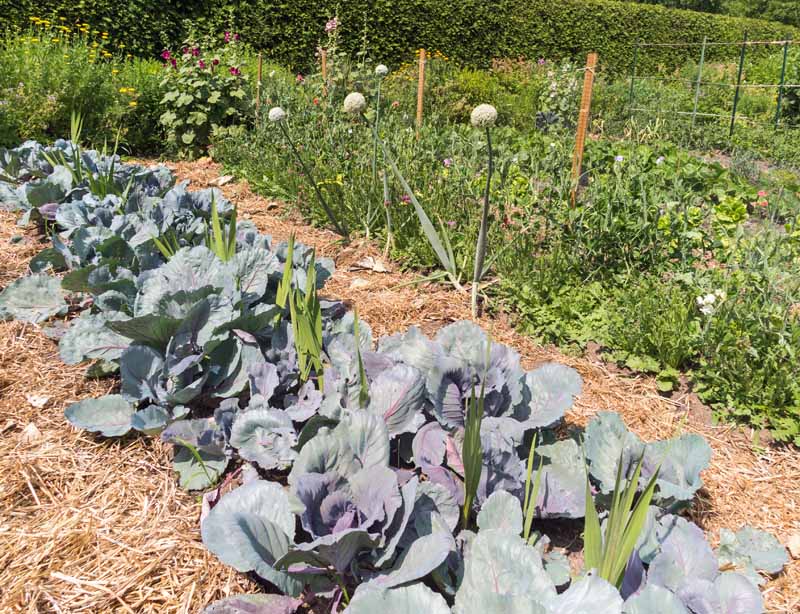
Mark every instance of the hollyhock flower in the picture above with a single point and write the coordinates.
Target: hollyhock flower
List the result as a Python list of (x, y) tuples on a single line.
[(215, 61), (451, 223), (166, 55), (332, 24), (395, 104), (542, 62), (227, 37), (447, 162), (235, 71), (762, 193), (174, 63), (483, 116), (299, 78), (316, 100), (201, 64), (236, 37), (196, 51)]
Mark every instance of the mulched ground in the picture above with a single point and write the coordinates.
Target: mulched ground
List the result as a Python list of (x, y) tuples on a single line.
[(100, 526)]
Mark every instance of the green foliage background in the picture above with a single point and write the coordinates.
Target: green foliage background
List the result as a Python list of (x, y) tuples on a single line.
[(470, 31)]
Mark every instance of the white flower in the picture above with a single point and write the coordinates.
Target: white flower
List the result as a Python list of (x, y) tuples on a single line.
[(483, 116), (276, 114), (710, 299), (721, 295), (707, 310), (355, 103), (381, 70)]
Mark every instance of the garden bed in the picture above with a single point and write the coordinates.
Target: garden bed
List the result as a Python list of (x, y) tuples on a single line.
[(99, 526)]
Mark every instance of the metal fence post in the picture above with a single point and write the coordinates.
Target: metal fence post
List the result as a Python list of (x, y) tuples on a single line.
[(633, 77), (699, 79), (783, 78), (738, 85)]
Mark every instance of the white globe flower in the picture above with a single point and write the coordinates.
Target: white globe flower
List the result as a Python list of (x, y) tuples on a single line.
[(483, 116), (276, 114), (381, 70), (355, 103)]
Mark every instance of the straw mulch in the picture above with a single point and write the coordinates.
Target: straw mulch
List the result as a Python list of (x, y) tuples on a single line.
[(96, 526)]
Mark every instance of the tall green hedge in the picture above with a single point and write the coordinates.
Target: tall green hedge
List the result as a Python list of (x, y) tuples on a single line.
[(469, 31)]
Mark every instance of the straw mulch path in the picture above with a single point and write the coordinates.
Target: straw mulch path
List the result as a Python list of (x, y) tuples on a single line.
[(100, 526)]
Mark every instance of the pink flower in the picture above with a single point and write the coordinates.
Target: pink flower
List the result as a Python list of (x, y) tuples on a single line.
[(447, 162), (764, 203), (196, 51), (166, 55), (405, 199), (762, 193), (236, 37), (395, 104), (201, 64), (235, 71), (174, 63), (316, 100), (184, 51), (451, 223), (332, 24), (227, 37), (215, 61), (300, 78), (542, 62)]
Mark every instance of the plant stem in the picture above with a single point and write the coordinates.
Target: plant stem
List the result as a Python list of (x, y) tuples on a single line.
[(328, 211), (480, 248)]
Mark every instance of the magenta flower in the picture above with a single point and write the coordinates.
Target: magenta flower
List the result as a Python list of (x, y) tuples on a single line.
[(405, 199), (236, 37), (300, 78), (447, 162), (184, 51), (235, 71), (196, 51), (174, 63), (201, 64), (542, 62), (215, 61), (451, 223), (227, 37), (332, 24), (166, 55)]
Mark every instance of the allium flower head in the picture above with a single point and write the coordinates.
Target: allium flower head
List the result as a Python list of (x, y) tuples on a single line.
[(381, 70), (483, 116), (276, 114), (355, 103)]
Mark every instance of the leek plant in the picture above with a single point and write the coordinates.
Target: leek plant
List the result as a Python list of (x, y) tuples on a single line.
[(608, 551), (278, 116)]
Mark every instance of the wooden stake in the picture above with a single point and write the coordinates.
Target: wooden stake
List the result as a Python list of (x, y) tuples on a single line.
[(323, 54), (583, 123), (420, 90), (258, 85)]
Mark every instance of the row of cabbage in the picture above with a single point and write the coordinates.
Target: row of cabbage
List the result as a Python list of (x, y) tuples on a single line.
[(349, 452)]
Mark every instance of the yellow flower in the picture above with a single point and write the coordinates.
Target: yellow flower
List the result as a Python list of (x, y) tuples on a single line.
[(132, 103), (123, 90), (33, 18), (62, 18), (54, 40), (114, 71)]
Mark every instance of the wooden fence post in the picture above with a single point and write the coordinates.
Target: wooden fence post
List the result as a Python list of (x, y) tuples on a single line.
[(583, 123), (323, 56), (420, 90), (258, 85)]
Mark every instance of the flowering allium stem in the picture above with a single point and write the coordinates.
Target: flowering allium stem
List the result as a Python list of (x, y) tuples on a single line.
[(340, 228), (480, 248)]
